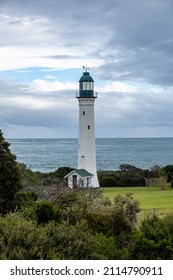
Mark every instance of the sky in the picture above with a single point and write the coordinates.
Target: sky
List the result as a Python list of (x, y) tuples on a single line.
[(127, 46)]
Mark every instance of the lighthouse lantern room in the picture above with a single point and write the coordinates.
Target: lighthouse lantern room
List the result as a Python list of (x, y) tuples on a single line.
[(86, 85)]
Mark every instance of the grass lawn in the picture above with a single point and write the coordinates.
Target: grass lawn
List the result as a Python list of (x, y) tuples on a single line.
[(149, 198)]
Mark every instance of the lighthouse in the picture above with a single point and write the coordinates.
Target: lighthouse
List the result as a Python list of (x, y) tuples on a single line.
[(86, 141), (86, 174)]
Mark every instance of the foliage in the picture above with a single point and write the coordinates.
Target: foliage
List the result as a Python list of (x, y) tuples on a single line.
[(155, 240), (129, 205), (108, 181), (98, 223), (25, 199), (79, 224), (10, 182), (128, 175), (45, 185), (169, 223), (102, 217), (95, 229), (76, 242), (61, 172), (168, 169), (46, 212), (75, 203), (155, 229), (155, 171), (118, 222), (23, 240), (129, 168)]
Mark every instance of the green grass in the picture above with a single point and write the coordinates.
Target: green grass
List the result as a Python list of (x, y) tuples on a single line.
[(149, 198)]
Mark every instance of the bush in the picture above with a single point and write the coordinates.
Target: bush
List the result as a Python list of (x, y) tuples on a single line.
[(47, 212), (155, 229), (168, 169), (155, 239), (98, 223), (128, 176), (61, 172), (23, 240), (77, 243), (25, 199), (108, 181), (10, 182), (129, 206)]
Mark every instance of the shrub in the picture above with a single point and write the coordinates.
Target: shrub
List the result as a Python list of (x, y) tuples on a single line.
[(25, 199), (107, 181), (23, 240), (77, 243), (127, 176), (98, 223), (155, 229), (129, 206), (168, 169), (10, 182), (155, 239), (46, 212)]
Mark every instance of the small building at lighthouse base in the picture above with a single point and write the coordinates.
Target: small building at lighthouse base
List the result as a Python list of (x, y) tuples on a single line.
[(79, 178)]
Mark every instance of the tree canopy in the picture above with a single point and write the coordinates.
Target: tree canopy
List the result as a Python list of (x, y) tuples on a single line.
[(9, 177)]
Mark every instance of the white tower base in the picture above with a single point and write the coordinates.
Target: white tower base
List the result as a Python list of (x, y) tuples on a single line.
[(86, 149)]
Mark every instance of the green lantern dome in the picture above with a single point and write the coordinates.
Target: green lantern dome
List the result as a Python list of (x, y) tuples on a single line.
[(86, 77), (86, 85)]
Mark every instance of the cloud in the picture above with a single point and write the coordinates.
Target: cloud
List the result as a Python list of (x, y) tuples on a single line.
[(126, 44), (117, 87), (44, 85), (39, 37), (141, 45), (44, 105), (27, 107)]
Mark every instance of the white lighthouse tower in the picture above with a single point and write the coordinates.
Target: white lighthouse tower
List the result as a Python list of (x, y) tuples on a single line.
[(86, 148)]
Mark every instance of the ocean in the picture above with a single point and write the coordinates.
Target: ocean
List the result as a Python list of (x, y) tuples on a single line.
[(46, 155)]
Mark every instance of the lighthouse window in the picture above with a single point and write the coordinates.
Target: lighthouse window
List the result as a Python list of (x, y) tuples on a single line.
[(86, 85), (88, 126), (83, 113), (89, 85)]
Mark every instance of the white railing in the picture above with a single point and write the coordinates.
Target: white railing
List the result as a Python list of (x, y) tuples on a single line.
[(77, 95)]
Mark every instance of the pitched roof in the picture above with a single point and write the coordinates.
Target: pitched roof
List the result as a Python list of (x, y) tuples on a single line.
[(83, 173)]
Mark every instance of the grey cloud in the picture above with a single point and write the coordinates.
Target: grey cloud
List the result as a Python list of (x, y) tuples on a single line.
[(132, 38), (141, 45), (44, 118), (74, 23), (139, 109), (31, 112), (60, 56), (142, 65)]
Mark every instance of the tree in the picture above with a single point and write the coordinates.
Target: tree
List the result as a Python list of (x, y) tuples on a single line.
[(159, 176), (168, 169), (76, 242), (155, 241), (129, 205), (46, 212), (22, 239), (9, 177)]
